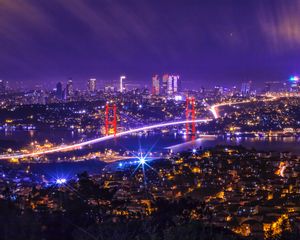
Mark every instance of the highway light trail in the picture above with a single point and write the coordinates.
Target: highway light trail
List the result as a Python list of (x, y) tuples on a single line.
[(214, 108), (101, 139)]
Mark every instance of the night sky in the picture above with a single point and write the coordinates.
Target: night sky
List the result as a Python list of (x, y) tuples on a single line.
[(207, 42)]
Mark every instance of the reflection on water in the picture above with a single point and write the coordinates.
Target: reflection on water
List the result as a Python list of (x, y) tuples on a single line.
[(67, 170), (26, 137), (290, 144), (158, 142)]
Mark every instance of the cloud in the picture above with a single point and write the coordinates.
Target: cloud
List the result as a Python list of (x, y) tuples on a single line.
[(18, 17), (280, 25)]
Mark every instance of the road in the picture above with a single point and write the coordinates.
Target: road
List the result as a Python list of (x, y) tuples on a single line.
[(214, 108)]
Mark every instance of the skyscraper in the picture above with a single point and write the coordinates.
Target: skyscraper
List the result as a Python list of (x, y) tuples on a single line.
[(176, 84), (59, 90), (155, 85), (121, 83), (165, 79), (170, 85), (246, 88), (173, 84), (92, 85), (2, 86), (69, 89)]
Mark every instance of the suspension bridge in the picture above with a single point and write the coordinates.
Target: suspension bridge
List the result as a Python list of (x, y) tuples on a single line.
[(190, 120)]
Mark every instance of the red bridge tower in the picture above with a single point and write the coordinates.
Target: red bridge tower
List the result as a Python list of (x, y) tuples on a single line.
[(110, 121), (190, 114)]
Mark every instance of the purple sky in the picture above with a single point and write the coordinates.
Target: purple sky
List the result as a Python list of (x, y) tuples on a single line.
[(207, 42)]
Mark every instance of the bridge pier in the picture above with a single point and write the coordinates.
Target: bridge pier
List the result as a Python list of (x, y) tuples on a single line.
[(190, 112), (108, 121)]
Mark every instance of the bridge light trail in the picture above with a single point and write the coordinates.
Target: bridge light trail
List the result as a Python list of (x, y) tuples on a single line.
[(214, 111), (101, 139)]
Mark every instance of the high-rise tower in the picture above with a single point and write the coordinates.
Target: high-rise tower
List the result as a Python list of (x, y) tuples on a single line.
[(2, 86), (59, 90), (92, 85), (165, 79), (246, 88), (121, 83), (155, 85), (69, 89)]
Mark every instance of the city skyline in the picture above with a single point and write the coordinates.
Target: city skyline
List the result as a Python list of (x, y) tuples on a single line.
[(150, 119), (202, 41)]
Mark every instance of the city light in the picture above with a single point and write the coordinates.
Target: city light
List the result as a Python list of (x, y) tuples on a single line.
[(61, 181), (122, 78), (142, 160), (178, 98), (294, 78)]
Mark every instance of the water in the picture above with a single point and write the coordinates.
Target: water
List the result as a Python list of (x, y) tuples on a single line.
[(156, 142), (67, 170), (23, 138), (279, 144), (153, 142)]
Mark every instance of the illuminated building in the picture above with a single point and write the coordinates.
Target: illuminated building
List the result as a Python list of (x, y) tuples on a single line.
[(176, 84), (173, 84), (274, 86), (69, 89), (276, 228), (132, 86), (246, 88), (109, 88), (219, 90), (295, 83), (155, 85), (170, 85), (165, 79), (121, 83), (2, 86), (92, 85)]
